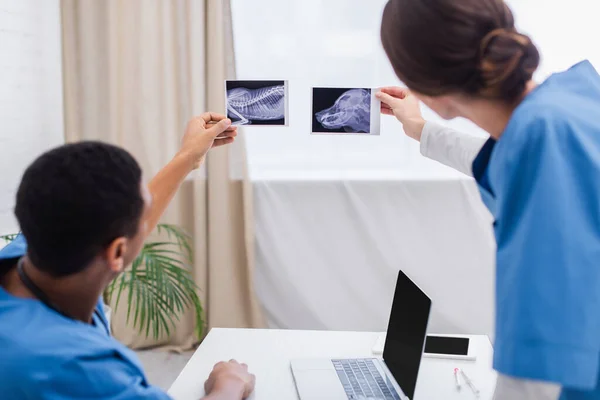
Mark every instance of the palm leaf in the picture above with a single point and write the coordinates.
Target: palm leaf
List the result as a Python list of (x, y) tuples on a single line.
[(8, 238), (182, 238), (160, 286)]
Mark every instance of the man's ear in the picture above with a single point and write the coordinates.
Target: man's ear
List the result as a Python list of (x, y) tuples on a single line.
[(115, 254)]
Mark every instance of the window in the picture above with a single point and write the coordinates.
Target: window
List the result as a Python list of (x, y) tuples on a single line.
[(336, 43), (565, 32)]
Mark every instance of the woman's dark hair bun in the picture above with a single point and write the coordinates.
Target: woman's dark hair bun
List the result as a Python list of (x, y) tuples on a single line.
[(439, 47), (507, 61)]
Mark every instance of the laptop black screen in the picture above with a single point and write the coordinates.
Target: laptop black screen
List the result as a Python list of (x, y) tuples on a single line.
[(406, 333)]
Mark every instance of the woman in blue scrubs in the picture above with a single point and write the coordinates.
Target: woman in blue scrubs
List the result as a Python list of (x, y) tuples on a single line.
[(539, 175)]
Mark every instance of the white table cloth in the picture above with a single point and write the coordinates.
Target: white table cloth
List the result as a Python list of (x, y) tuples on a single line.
[(328, 252)]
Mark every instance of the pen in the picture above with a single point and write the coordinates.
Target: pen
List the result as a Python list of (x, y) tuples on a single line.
[(457, 379), (469, 383)]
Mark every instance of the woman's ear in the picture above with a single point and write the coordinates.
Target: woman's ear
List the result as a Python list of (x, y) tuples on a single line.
[(115, 254)]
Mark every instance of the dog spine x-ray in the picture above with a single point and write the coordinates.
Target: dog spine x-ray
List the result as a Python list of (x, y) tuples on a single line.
[(266, 103), (351, 111)]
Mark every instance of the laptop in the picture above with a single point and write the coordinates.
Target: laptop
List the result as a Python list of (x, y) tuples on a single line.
[(392, 378)]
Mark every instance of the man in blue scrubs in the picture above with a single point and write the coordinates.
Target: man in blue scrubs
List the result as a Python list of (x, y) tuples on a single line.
[(84, 213)]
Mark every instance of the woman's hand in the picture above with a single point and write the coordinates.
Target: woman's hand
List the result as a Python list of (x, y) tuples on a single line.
[(229, 380), (203, 133), (400, 103)]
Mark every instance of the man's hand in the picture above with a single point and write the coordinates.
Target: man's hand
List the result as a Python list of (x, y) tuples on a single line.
[(400, 103), (230, 380), (205, 132)]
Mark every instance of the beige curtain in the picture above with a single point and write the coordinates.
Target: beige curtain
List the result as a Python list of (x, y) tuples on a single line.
[(135, 71)]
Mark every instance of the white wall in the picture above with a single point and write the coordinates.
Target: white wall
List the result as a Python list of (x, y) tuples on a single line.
[(31, 106)]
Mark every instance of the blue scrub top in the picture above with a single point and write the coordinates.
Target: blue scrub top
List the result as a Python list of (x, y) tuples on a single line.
[(44, 355), (541, 181)]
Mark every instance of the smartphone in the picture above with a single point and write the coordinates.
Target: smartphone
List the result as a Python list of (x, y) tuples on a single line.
[(439, 346), (447, 346)]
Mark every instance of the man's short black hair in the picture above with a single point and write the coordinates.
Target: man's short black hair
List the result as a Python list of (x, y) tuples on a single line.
[(75, 200)]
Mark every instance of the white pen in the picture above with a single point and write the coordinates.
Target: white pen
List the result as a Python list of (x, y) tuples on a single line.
[(457, 379), (469, 383)]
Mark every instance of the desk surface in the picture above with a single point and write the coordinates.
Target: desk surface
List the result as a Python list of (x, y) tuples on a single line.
[(268, 353)]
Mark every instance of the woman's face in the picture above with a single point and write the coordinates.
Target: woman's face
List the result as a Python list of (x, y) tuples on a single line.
[(444, 106)]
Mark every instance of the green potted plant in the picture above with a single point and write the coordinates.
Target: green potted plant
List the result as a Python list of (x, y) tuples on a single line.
[(8, 238), (158, 287)]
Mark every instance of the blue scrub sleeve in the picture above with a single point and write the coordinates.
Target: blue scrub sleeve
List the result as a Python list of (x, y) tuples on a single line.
[(15, 249), (548, 260), (98, 377)]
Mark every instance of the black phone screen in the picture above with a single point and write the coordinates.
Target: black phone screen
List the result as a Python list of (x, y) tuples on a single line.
[(447, 345)]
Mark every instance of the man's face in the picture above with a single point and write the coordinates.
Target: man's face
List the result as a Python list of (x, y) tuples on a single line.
[(136, 242)]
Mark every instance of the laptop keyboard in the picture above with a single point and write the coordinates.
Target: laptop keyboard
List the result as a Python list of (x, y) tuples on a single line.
[(361, 380)]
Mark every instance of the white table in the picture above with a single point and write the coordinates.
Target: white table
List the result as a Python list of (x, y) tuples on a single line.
[(268, 353)]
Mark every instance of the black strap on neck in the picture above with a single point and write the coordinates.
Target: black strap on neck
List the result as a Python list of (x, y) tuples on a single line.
[(43, 297), (35, 289)]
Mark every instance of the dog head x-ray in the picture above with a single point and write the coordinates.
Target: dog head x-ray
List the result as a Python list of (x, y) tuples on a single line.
[(351, 112)]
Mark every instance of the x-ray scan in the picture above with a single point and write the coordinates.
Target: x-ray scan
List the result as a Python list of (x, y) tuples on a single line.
[(345, 111), (257, 102)]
